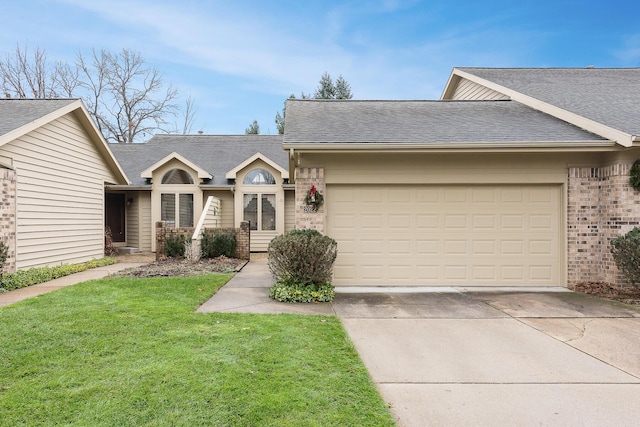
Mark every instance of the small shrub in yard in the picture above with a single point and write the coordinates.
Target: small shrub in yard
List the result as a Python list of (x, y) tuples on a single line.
[(215, 244), (33, 276), (174, 245), (4, 253), (302, 263), (284, 292), (626, 254)]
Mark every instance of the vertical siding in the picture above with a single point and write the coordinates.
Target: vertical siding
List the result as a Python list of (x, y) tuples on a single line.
[(289, 211), (60, 194), (132, 226), (147, 227), (226, 207), (469, 91)]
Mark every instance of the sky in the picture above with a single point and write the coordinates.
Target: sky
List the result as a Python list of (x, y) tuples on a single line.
[(240, 59)]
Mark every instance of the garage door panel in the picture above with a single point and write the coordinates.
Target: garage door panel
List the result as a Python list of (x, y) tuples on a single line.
[(446, 235)]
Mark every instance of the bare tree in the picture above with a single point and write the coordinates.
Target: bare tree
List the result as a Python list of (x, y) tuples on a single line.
[(25, 76), (127, 99), (188, 115)]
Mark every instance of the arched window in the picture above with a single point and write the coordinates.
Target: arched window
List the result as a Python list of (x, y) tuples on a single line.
[(177, 176), (259, 177)]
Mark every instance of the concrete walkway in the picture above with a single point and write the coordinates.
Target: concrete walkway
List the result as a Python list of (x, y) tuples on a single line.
[(465, 356), (11, 297)]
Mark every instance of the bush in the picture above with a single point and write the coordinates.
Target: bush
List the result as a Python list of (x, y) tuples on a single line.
[(284, 292), (217, 243), (302, 257), (626, 254), (302, 263), (174, 245), (4, 253), (33, 276)]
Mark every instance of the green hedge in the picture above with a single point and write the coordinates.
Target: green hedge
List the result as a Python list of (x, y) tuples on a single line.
[(33, 276)]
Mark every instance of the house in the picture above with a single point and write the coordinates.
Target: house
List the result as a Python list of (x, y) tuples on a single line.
[(54, 165), (516, 177), (173, 176)]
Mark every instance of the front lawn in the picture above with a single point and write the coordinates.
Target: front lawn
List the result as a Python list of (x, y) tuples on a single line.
[(132, 352)]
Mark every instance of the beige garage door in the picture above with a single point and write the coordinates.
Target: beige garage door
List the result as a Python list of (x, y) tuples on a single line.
[(481, 235)]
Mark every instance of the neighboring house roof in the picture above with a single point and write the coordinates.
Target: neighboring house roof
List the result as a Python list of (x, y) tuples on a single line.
[(426, 124), (21, 116), (216, 154), (601, 100)]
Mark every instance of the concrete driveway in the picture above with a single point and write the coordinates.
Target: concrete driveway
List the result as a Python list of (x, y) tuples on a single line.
[(499, 358), (461, 357)]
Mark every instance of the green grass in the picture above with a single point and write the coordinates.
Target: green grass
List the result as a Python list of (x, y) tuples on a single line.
[(132, 352)]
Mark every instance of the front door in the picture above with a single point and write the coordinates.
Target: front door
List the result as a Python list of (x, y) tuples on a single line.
[(114, 215)]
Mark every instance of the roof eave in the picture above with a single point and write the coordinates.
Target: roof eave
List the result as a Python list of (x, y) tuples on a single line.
[(622, 138), (605, 145)]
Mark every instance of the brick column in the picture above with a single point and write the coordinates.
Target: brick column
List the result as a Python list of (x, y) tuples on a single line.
[(243, 241), (161, 234), (601, 206), (8, 217), (306, 217)]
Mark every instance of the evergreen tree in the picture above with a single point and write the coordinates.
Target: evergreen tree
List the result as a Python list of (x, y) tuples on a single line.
[(253, 129)]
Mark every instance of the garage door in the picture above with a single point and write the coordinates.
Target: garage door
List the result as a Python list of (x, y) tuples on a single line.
[(481, 235)]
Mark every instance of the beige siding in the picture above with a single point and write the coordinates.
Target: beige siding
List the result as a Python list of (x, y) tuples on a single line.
[(289, 210), (132, 226), (226, 206), (260, 240), (469, 90), (60, 194), (147, 228)]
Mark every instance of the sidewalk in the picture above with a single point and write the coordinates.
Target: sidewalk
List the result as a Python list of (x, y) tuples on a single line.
[(7, 298)]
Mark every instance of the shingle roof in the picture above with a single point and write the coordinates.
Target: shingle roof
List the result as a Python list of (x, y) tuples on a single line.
[(610, 96), (424, 122), (217, 154), (15, 113)]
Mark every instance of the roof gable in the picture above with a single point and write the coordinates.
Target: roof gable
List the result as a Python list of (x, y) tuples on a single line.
[(603, 101), (21, 116), (258, 156), (148, 173)]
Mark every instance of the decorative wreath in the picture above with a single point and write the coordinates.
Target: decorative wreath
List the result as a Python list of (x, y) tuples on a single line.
[(634, 175), (314, 198)]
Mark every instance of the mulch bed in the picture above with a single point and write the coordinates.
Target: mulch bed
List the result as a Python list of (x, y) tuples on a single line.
[(171, 267), (604, 290)]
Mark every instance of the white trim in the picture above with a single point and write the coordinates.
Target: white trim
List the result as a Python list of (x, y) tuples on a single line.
[(148, 172), (622, 138), (258, 156)]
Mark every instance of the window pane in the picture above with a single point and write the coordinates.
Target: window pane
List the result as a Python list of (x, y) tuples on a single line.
[(177, 176), (268, 212), (251, 210), (168, 209), (259, 177), (186, 210)]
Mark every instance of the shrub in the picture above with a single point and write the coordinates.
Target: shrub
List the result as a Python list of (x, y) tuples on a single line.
[(109, 248), (285, 292), (626, 254), (174, 245), (33, 276), (217, 243), (4, 253), (302, 257)]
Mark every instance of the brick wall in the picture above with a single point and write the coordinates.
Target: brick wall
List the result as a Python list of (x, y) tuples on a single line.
[(601, 206), (243, 238), (8, 217), (305, 217)]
